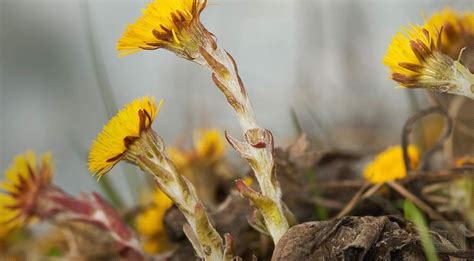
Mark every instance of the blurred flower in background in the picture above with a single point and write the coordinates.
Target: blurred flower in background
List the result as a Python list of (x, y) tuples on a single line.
[(204, 164), (389, 164), (150, 224), (458, 31), (25, 183), (208, 148)]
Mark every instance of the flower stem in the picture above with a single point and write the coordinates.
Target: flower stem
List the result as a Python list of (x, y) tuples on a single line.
[(258, 146), (150, 155)]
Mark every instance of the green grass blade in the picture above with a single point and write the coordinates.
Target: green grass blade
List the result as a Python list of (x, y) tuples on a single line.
[(413, 214)]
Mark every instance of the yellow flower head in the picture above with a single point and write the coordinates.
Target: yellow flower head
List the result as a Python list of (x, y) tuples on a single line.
[(404, 51), (120, 132), (150, 224), (389, 165), (458, 30), (24, 181), (415, 60), (209, 144), (169, 24), (421, 56)]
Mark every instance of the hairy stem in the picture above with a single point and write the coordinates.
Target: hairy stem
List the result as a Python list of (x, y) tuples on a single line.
[(258, 146), (148, 152)]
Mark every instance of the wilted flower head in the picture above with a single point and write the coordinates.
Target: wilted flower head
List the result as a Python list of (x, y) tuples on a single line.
[(168, 24), (422, 56), (150, 224), (120, 133), (389, 165), (23, 185)]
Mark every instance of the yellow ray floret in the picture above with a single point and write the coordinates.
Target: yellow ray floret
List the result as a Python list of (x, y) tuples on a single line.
[(127, 125), (406, 46), (160, 25), (389, 165), (23, 181)]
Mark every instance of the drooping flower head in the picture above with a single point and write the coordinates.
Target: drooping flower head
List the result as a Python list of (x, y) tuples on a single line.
[(24, 182), (150, 224), (389, 165), (169, 24), (423, 56), (121, 132)]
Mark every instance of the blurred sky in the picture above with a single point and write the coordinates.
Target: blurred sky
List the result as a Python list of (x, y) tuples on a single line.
[(320, 58)]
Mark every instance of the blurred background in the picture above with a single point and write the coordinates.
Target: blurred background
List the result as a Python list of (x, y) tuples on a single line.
[(319, 62)]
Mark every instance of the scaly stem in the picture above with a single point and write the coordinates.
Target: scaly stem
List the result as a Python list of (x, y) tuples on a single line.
[(258, 146), (148, 152)]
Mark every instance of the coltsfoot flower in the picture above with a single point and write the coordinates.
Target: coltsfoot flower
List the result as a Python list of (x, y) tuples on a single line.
[(122, 130), (427, 56), (129, 137), (29, 194), (26, 182), (389, 165), (168, 24)]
